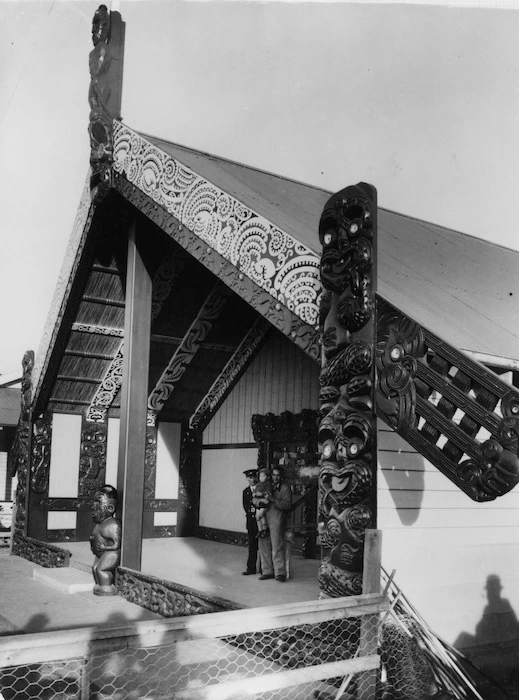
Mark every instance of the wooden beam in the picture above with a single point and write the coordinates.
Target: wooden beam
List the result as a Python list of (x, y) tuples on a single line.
[(89, 355), (104, 301), (132, 441), (188, 348)]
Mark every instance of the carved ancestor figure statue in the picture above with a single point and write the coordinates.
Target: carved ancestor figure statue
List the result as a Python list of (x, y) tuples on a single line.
[(105, 540)]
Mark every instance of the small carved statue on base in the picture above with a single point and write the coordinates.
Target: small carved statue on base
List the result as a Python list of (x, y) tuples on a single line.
[(105, 540)]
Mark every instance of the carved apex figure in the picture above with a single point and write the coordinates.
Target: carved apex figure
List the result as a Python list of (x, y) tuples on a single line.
[(104, 96), (347, 429), (105, 540)]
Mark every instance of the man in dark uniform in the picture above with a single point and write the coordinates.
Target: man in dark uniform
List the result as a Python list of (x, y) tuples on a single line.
[(252, 526)]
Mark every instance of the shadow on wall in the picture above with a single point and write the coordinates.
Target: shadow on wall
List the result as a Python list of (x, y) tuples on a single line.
[(403, 471), (494, 646)]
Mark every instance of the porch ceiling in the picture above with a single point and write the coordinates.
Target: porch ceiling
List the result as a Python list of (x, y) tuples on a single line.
[(86, 376)]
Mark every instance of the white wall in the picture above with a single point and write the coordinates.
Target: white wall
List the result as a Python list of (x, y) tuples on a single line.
[(166, 474), (221, 487), (64, 455), (444, 546)]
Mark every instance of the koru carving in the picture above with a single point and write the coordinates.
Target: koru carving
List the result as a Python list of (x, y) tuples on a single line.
[(458, 414), (347, 429)]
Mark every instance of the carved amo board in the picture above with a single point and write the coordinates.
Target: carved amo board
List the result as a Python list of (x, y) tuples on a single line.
[(458, 414)]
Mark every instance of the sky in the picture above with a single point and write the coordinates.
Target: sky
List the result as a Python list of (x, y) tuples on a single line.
[(420, 100)]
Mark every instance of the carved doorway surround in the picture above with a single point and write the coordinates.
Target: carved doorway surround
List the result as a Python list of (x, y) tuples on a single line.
[(290, 440)]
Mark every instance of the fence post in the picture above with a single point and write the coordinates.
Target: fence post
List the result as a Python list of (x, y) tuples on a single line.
[(369, 681)]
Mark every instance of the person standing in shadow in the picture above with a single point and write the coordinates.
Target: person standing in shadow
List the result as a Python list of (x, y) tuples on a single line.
[(252, 526)]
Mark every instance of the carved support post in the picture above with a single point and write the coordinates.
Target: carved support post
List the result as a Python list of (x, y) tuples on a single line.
[(347, 429), (38, 483), (132, 440), (22, 459), (189, 482)]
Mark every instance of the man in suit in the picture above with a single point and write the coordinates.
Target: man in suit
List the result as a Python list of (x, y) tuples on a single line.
[(252, 527)]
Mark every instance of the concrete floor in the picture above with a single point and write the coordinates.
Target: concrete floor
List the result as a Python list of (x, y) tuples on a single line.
[(214, 568)]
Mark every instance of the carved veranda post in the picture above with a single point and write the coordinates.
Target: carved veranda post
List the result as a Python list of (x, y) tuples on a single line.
[(21, 459), (347, 425)]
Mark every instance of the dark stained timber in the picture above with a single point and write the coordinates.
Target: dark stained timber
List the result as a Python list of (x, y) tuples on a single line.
[(457, 413), (347, 429)]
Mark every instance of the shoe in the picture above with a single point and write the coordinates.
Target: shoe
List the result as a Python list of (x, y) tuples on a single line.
[(281, 578), (247, 573), (264, 577)]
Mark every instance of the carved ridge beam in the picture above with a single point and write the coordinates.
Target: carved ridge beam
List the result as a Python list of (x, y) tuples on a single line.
[(272, 259), (229, 375), (163, 282), (184, 354), (457, 413)]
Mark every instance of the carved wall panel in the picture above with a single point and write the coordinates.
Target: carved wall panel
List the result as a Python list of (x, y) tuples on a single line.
[(458, 414), (150, 462), (21, 455), (347, 429), (282, 317), (41, 444), (189, 475), (92, 460)]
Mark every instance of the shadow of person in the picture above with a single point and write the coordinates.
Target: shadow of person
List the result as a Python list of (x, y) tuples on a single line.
[(37, 623), (494, 645)]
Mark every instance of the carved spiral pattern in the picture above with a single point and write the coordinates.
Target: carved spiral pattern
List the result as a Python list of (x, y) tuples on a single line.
[(347, 426), (268, 256)]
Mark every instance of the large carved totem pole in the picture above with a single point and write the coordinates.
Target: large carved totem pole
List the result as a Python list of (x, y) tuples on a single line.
[(347, 427)]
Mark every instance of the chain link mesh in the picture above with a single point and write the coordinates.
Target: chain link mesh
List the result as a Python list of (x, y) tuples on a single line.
[(297, 662)]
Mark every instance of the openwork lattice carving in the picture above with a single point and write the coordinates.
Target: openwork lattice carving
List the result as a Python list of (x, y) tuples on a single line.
[(458, 414), (47, 555), (272, 259), (347, 430), (164, 597), (104, 96)]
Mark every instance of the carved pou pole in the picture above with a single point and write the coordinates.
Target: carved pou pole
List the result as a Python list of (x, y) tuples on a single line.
[(347, 427), (105, 540)]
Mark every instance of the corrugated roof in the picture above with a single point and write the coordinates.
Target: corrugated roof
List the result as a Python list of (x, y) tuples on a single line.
[(9, 406), (462, 288)]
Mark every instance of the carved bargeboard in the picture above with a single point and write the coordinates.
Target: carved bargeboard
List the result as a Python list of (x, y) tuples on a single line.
[(458, 414), (347, 430)]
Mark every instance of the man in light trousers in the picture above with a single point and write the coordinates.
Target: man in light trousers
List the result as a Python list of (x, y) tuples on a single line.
[(272, 547)]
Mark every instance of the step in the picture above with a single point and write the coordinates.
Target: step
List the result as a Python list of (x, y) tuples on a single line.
[(66, 579)]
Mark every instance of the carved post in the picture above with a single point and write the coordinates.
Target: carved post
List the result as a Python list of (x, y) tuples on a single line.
[(189, 482), (347, 429), (104, 96), (21, 464)]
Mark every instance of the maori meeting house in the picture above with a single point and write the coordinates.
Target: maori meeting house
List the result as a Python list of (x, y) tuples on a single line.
[(210, 317)]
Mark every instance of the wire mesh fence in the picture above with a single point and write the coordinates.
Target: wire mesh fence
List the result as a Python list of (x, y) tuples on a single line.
[(323, 650)]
